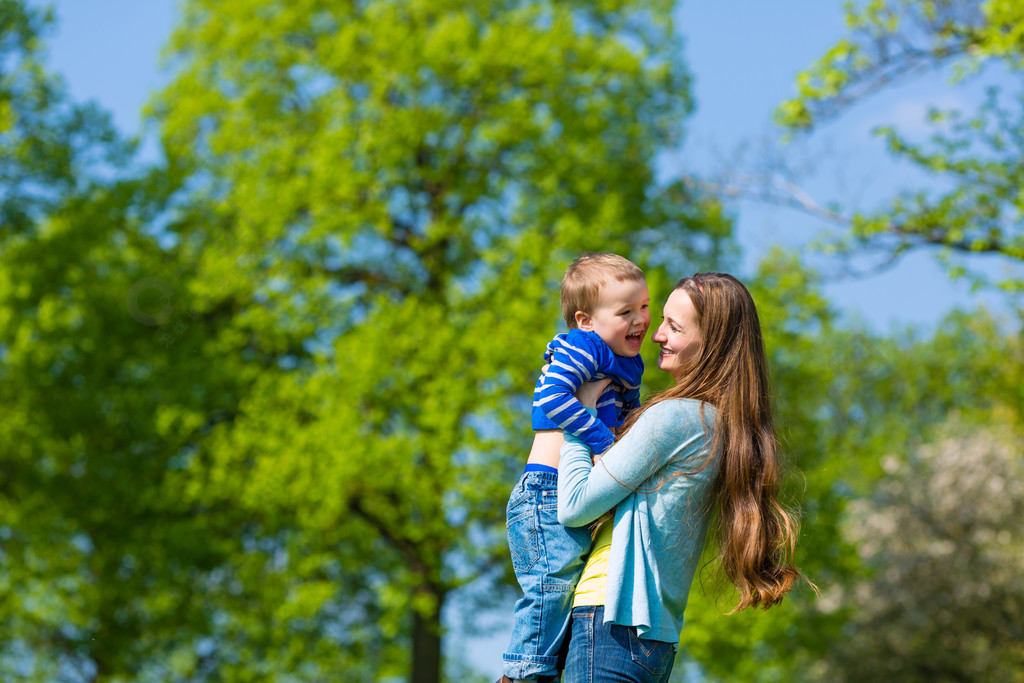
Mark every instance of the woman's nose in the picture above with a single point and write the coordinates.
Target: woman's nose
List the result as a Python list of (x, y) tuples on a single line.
[(657, 336)]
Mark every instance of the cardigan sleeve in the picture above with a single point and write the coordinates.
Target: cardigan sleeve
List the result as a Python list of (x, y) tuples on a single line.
[(586, 491)]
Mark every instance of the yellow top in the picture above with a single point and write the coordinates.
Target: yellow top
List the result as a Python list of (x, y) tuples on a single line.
[(591, 589)]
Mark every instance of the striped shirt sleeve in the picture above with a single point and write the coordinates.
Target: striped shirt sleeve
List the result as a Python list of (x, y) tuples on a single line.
[(571, 365)]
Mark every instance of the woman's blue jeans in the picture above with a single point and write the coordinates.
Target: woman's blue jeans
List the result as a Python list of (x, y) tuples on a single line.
[(609, 653)]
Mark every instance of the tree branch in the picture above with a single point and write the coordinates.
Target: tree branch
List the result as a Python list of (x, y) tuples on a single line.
[(406, 548), (780, 193)]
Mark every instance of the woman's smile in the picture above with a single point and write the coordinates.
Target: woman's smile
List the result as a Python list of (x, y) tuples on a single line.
[(679, 333)]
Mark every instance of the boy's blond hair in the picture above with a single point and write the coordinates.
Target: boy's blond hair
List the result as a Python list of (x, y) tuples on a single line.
[(584, 278)]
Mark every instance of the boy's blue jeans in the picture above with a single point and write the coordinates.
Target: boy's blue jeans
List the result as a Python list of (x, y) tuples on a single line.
[(548, 559)]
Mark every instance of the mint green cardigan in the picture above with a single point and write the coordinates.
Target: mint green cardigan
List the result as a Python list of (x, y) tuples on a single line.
[(660, 520)]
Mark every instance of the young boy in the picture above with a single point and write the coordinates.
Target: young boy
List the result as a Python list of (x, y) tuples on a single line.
[(606, 307)]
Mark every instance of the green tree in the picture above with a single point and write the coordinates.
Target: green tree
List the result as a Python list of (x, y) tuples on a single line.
[(972, 203), (49, 146), (394, 190), (110, 380)]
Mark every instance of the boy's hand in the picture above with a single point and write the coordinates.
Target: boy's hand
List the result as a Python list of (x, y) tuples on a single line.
[(588, 394)]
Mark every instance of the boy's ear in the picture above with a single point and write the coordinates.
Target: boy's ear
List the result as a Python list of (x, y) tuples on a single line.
[(584, 321)]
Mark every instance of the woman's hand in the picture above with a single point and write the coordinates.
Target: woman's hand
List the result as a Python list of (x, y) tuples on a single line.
[(588, 394)]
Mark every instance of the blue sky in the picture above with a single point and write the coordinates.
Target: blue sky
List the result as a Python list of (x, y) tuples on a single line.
[(744, 56)]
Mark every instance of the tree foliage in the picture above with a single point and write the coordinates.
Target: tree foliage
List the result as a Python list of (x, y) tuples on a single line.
[(940, 537), (108, 385), (49, 146), (972, 204), (395, 188)]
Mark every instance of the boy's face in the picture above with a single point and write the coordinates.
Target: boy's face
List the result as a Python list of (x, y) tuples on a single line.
[(621, 318)]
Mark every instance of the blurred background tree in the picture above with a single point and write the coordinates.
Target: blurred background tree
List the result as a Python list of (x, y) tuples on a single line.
[(105, 393), (972, 203), (941, 541), (396, 188)]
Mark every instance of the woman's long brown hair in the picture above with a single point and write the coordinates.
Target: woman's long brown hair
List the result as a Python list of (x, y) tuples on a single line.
[(756, 535)]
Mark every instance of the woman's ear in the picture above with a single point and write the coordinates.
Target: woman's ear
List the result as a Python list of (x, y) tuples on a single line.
[(584, 321)]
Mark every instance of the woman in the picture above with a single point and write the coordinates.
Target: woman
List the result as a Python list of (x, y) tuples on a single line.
[(708, 441)]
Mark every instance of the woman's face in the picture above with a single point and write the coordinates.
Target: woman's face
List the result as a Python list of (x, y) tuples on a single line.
[(678, 334)]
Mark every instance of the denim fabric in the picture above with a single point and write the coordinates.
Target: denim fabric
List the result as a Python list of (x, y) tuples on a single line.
[(610, 653), (548, 559)]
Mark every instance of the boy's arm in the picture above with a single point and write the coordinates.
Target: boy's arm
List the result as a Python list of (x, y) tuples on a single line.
[(571, 366)]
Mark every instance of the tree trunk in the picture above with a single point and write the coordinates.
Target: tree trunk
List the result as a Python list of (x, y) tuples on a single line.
[(426, 645)]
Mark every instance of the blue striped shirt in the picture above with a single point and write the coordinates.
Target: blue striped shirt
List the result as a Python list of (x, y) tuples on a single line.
[(573, 359)]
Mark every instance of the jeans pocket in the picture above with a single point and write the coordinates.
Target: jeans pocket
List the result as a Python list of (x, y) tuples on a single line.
[(521, 527), (653, 656)]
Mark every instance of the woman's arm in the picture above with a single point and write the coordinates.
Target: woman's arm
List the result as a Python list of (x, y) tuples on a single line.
[(586, 491)]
